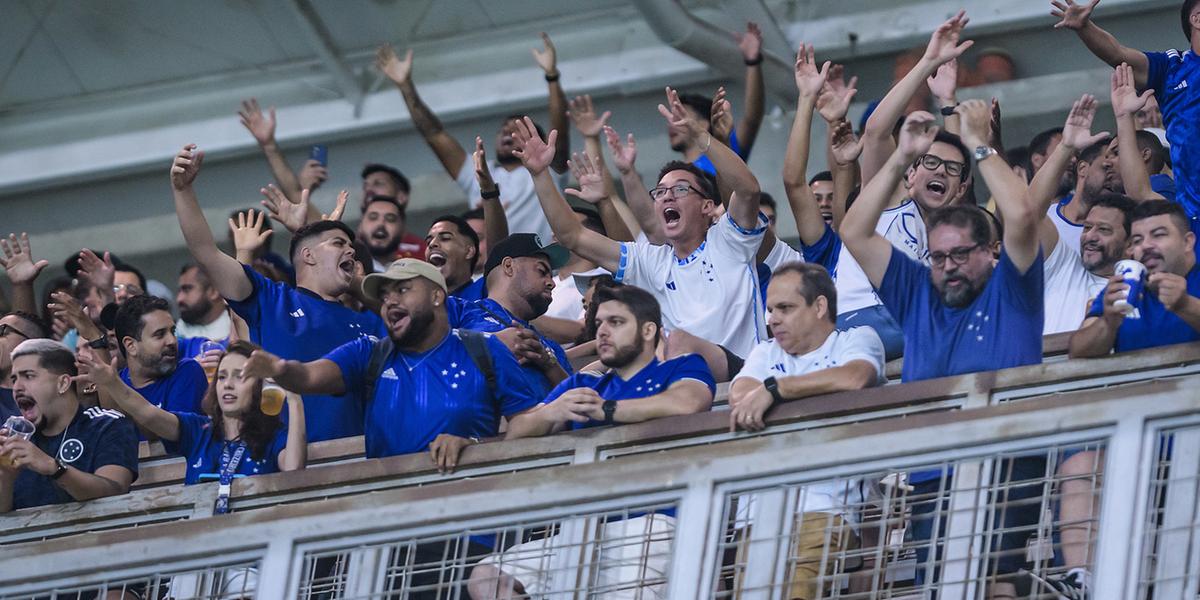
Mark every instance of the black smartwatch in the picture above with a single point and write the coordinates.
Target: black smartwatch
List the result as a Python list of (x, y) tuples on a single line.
[(60, 471), (609, 407), (772, 386)]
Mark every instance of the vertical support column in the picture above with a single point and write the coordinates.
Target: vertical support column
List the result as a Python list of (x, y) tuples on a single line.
[(1122, 499), (1171, 577), (694, 546)]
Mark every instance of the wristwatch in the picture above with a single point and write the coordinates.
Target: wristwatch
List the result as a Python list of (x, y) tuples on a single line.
[(609, 407), (982, 152), (60, 471), (772, 386)]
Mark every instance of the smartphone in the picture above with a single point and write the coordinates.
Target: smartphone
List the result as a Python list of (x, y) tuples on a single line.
[(320, 153)]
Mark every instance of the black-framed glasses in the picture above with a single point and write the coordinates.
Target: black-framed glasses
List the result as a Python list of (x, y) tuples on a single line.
[(6, 329), (676, 191), (958, 255), (931, 162)]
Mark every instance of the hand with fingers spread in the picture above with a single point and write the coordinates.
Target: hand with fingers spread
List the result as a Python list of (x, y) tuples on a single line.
[(18, 260), (845, 145), (260, 126), (99, 271), (916, 135), (248, 232), (312, 175), (339, 207), (678, 118), (809, 78), (1077, 131), (1125, 99), (750, 42), (536, 154), (392, 66), (482, 174), (1072, 15), (445, 450), (943, 84), (721, 121), (943, 44), (546, 57), (583, 115), (976, 122), (186, 167), (625, 155), (590, 178), (834, 102), (292, 215)]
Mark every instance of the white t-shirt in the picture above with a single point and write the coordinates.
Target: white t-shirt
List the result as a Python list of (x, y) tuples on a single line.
[(841, 347), (1067, 232), (713, 293), (901, 225), (565, 301), (516, 195), (1069, 289)]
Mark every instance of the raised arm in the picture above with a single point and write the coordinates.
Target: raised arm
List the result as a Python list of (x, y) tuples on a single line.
[(1019, 215), (1077, 134), (1078, 18), (547, 59), (321, 376), (448, 151), (809, 81), (872, 251), (22, 271), (877, 134), (225, 271), (637, 195), (263, 129), (731, 169), (1126, 103), (536, 155), (147, 416), (750, 43)]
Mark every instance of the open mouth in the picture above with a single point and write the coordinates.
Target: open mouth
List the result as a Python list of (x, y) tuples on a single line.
[(936, 186), (671, 216), (436, 258)]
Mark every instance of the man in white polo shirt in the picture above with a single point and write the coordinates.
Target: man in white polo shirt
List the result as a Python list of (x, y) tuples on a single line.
[(808, 356), (705, 278)]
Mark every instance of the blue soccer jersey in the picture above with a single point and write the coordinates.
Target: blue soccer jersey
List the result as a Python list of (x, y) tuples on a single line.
[(419, 396), (203, 450), (95, 438), (487, 315), (296, 324), (653, 379), (1175, 79), (1157, 325)]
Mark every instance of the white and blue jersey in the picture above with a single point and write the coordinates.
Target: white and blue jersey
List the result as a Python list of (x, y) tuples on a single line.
[(95, 438), (296, 324), (203, 450), (1157, 325), (1175, 78), (654, 378), (419, 396)]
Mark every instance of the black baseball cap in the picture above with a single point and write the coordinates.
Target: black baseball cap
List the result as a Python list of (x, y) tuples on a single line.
[(520, 245)]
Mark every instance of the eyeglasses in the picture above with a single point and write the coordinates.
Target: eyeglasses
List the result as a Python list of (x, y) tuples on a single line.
[(958, 255), (676, 191), (931, 162), (6, 329)]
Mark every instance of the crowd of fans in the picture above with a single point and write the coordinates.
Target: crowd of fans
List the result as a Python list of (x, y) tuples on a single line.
[(648, 296)]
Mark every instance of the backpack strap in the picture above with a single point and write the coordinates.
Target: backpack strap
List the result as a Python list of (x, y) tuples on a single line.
[(476, 343), (380, 351)]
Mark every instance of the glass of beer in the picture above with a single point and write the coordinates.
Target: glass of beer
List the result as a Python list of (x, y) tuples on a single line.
[(272, 398), (18, 427), (210, 367)]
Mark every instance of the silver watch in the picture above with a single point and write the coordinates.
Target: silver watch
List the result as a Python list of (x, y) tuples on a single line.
[(982, 152)]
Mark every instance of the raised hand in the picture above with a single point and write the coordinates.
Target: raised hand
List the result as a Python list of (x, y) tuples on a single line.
[(99, 271), (534, 153), (482, 174), (845, 145), (292, 215), (339, 207), (312, 175), (262, 128), (677, 116), (186, 167), (809, 79), (623, 156), (721, 121), (583, 115), (1072, 15), (976, 122), (590, 177), (916, 135), (248, 232), (943, 44), (750, 43), (944, 83), (1077, 131), (1125, 99), (547, 56), (392, 66), (834, 102), (18, 260)]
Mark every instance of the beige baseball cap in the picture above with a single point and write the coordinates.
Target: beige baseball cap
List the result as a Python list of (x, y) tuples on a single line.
[(400, 270)]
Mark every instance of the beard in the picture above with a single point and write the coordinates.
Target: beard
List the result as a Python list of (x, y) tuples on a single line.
[(193, 313), (963, 295), (622, 356)]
